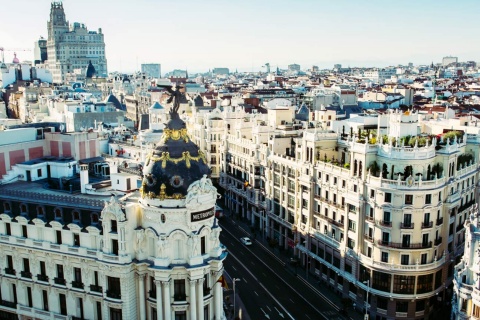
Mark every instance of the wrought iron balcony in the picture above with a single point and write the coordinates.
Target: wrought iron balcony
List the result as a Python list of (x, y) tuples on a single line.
[(10, 271), (26, 274), (426, 225), (438, 241), (400, 245), (406, 225), (95, 288), (78, 284), (42, 277), (60, 281), (385, 223), (439, 221), (114, 294)]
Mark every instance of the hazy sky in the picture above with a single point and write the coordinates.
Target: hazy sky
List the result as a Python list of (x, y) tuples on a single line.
[(245, 34)]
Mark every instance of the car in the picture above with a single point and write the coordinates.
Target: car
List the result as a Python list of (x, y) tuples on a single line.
[(246, 241)]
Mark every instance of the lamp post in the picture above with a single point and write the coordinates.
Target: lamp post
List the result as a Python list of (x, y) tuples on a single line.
[(366, 300), (234, 306)]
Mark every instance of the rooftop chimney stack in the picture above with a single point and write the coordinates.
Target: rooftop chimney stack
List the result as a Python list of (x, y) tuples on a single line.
[(83, 177)]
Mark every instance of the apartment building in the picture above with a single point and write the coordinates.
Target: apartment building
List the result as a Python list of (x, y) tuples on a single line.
[(376, 206)]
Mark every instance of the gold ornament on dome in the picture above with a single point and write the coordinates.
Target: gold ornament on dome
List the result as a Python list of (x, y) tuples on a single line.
[(161, 196), (185, 157), (175, 134)]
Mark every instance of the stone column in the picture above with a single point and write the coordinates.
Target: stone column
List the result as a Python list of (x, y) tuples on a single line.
[(158, 288), (193, 300), (141, 295), (166, 300), (200, 298), (217, 296)]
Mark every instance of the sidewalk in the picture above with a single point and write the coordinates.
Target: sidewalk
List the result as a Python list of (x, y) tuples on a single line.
[(228, 301), (300, 272)]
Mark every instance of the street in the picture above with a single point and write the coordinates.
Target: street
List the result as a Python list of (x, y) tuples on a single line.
[(268, 288)]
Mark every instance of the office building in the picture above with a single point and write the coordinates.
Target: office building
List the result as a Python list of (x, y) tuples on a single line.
[(152, 70)]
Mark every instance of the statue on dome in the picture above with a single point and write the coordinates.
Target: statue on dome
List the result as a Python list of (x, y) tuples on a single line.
[(175, 96)]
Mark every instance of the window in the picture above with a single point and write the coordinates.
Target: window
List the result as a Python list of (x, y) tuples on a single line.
[(388, 197), (115, 314), (425, 283), (77, 274), (372, 193), (76, 216), (114, 290), (24, 232), (60, 271), (76, 240), (381, 281), (428, 199), (385, 257), (45, 300), (343, 184), (408, 199), (8, 229), (403, 284), (355, 188), (420, 305), (385, 237), (352, 225), (351, 243), (94, 218), (202, 245), (63, 304), (402, 306), (179, 290), (59, 236), (39, 173), (180, 315), (58, 214), (29, 297), (99, 310), (115, 246), (404, 259), (113, 226), (382, 303)]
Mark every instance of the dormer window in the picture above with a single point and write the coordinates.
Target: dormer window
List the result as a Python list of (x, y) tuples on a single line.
[(58, 214), (40, 212), (94, 218), (113, 226), (76, 216), (6, 207), (23, 209)]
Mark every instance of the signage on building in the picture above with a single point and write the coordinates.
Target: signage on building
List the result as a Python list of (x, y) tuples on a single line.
[(203, 215)]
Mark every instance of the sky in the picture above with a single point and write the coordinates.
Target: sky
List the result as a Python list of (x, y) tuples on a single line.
[(243, 35)]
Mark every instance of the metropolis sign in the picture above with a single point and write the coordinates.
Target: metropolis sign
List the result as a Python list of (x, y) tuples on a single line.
[(203, 215)]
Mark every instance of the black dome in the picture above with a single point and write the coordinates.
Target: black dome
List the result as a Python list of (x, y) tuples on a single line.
[(174, 164)]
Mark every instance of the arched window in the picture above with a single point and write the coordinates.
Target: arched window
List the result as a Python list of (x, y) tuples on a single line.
[(40, 211), (76, 215), (23, 209), (6, 207), (58, 214), (94, 218)]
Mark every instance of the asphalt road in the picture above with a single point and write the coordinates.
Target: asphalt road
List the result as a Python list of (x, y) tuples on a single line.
[(268, 289)]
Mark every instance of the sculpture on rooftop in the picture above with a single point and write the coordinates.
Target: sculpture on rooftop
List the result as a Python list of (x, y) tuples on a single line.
[(175, 96)]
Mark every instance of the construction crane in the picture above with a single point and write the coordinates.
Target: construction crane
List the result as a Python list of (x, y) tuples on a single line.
[(2, 49)]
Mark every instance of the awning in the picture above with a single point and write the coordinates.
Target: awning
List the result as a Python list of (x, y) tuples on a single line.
[(91, 160)]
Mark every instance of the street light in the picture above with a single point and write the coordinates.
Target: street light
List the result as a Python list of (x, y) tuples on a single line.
[(366, 300), (234, 306)]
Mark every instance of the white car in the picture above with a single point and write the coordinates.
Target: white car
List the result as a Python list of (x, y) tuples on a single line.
[(246, 241)]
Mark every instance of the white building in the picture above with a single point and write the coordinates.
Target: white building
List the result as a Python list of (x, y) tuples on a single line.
[(148, 254), (71, 47), (466, 300)]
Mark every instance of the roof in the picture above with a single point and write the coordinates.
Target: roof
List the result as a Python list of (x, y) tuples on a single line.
[(156, 106), (91, 160)]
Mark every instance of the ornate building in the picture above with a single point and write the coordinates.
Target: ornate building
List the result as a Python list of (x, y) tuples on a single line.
[(147, 254), (71, 47), (466, 299)]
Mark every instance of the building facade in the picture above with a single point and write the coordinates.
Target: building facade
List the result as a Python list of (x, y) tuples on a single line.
[(466, 298), (72, 47), (378, 209), (152, 70)]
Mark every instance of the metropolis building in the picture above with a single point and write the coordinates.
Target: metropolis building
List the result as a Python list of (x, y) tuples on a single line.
[(146, 253), (72, 47), (376, 206)]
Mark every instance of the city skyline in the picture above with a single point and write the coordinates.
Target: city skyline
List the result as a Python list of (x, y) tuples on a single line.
[(201, 36)]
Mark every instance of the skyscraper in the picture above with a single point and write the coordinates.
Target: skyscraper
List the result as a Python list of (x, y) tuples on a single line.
[(71, 47)]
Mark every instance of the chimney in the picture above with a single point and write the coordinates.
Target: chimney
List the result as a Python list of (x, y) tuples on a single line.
[(83, 177)]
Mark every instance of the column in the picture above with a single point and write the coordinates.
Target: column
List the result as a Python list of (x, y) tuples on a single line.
[(141, 296), (166, 300), (193, 300), (158, 288), (200, 305), (217, 296)]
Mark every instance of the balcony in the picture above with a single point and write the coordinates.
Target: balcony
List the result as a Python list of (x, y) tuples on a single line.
[(8, 304), (399, 245), (426, 225), (368, 238), (59, 281), (459, 227), (439, 221), (96, 288), (180, 297), (78, 284), (406, 225), (152, 294), (10, 271), (438, 241), (384, 223), (26, 274), (42, 277), (368, 218), (114, 294)]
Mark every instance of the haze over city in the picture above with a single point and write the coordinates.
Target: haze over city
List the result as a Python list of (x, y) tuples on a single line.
[(200, 35)]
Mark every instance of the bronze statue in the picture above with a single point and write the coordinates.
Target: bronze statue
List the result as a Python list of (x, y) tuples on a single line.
[(175, 96)]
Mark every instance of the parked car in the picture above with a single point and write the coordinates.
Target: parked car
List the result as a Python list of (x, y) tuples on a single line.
[(246, 241)]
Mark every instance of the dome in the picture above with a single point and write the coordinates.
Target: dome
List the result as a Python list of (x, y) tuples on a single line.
[(156, 106), (174, 164), (111, 98)]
